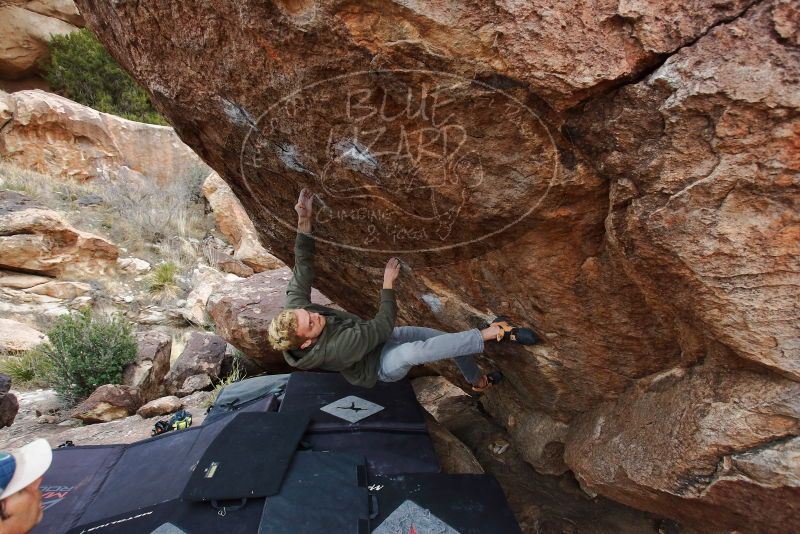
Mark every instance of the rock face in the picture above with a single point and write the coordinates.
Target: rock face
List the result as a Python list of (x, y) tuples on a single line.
[(203, 355), (153, 349), (455, 457), (622, 176), (242, 311), (236, 225), (38, 240), (52, 135), (26, 28), (16, 336), (107, 403), (541, 503)]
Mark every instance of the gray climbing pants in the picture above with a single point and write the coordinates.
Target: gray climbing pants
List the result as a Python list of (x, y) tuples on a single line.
[(415, 345)]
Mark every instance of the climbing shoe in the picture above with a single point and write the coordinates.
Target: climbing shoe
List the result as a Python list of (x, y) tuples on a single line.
[(515, 334), (486, 381)]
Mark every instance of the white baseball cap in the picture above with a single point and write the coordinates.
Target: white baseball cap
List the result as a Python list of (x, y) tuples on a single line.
[(23, 466)]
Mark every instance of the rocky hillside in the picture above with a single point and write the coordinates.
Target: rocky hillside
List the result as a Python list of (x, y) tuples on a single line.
[(114, 218), (622, 176)]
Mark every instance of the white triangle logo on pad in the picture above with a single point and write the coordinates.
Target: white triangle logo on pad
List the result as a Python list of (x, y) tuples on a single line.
[(411, 517), (352, 408)]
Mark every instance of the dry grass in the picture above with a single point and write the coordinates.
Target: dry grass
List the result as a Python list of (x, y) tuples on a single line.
[(58, 194), (28, 368), (160, 223), (162, 280), (237, 374), (147, 218)]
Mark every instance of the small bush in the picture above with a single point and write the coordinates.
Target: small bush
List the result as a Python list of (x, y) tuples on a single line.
[(163, 278), (81, 69), (86, 351), (237, 374), (29, 368)]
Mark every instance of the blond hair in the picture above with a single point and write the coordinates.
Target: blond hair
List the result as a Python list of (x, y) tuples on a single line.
[(283, 331)]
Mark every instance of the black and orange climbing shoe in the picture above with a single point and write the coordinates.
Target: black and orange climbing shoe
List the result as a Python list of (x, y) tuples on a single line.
[(487, 381), (514, 334)]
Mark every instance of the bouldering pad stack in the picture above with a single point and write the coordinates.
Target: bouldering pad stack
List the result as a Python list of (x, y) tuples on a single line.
[(303, 453)]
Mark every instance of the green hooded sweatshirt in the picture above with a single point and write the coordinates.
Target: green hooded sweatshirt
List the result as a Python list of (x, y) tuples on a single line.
[(347, 344)]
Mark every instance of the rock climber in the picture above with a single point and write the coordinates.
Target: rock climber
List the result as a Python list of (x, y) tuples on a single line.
[(366, 351)]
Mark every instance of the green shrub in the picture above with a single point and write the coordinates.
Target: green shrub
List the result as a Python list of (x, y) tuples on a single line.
[(163, 278), (86, 351), (29, 368), (81, 69), (237, 374)]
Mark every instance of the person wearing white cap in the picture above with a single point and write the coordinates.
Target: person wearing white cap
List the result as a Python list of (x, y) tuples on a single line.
[(20, 475)]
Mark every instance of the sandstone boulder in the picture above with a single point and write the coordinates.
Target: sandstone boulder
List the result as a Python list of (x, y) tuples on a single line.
[(205, 280), (541, 503), (52, 135), (455, 457), (236, 225), (203, 355), (133, 265), (21, 281), (147, 372), (24, 35), (620, 176), (61, 289), (39, 240), (194, 383), (243, 309), (9, 406), (228, 264), (22, 303), (65, 10), (160, 406), (44, 402), (714, 422), (107, 403), (154, 315), (17, 337)]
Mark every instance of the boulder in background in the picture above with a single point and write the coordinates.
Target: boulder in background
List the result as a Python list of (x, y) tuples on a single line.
[(107, 403), (236, 225), (203, 355), (17, 337), (151, 366), (39, 240), (53, 135), (160, 406)]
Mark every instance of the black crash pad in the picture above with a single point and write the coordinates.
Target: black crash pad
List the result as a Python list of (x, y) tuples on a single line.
[(464, 504), (309, 392), (322, 492), (248, 459), (393, 440)]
